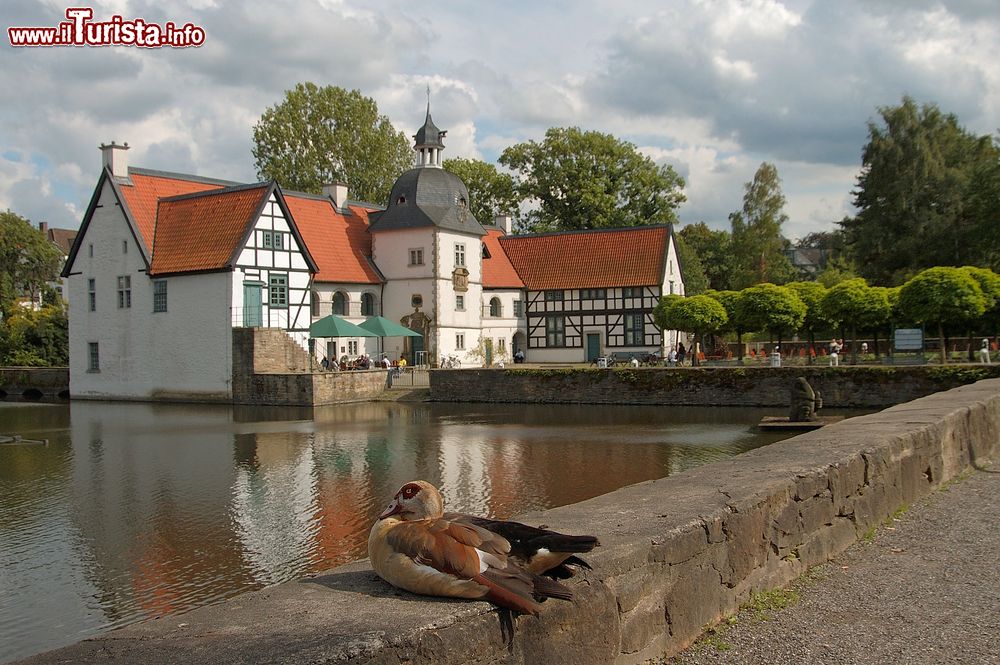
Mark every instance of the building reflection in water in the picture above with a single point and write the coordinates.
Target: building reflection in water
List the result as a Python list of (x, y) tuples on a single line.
[(142, 510)]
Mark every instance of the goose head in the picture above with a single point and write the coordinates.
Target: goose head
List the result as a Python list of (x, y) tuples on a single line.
[(417, 500)]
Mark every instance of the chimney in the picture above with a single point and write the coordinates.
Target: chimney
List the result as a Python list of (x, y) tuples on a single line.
[(115, 157), (338, 192), (504, 221), (44, 228)]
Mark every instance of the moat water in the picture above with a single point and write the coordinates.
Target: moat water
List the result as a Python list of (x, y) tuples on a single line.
[(135, 511)]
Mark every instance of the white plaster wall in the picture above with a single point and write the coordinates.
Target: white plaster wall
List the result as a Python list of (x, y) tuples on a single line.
[(325, 292), (142, 354), (390, 251)]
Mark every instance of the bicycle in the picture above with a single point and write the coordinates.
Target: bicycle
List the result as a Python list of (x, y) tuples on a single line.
[(451, 362)]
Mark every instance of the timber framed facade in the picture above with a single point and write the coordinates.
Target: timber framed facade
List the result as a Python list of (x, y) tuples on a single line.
[(623, 317)]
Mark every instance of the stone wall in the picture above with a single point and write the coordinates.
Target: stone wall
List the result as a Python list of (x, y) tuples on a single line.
[(676, 555), (846, 387), (267, 370), (34, 382)]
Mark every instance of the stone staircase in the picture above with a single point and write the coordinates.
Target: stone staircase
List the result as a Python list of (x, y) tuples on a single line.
[(272, 351)]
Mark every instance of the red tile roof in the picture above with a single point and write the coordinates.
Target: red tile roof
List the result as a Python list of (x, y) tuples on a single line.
[(498, 273), (145, 192), (339, 243), (601, 258), (203, 231)]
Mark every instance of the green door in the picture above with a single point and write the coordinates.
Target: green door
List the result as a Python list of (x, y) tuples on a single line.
[(253, 314), (416, 347), (593, 346)]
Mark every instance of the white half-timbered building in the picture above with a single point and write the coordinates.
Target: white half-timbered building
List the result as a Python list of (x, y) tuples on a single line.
[(592, 293)]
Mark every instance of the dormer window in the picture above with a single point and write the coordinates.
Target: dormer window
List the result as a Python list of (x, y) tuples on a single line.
[(401, 201)]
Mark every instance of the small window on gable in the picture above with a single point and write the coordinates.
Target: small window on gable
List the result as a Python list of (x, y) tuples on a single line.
[(90, 250), (486, 251), (401, 201), (124, 246)]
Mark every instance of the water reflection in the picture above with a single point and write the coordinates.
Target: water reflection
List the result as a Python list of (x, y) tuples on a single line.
[(140, 510)]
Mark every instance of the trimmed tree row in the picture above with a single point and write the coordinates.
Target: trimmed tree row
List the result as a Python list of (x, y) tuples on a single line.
[(948, 300)]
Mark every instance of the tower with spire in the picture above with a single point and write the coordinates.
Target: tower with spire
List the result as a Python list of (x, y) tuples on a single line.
[(428, 140), (428, 246)]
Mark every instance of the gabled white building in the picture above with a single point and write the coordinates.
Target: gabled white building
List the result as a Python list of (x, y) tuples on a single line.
[(163, 267)]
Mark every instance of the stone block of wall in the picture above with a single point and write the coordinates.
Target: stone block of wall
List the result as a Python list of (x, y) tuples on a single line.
[(676, 554), (843, 387)]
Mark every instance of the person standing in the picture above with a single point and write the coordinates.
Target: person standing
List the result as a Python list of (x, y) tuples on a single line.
[(984, 352), (834, 353)]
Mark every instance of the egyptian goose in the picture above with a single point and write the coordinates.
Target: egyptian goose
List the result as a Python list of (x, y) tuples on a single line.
[(414, 547), (538, 549)]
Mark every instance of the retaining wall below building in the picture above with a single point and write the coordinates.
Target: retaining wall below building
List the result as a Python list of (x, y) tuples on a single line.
[(841, 387), (677, 555), (270, 368)]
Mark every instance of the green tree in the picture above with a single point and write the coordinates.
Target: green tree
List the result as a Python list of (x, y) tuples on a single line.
[(757, 245), (35, 338), (989, 323), (661, 312), (923, 196), (316, 136), (714, 250), (695, 280), (730, 302), (28, 261), (589, 180), (855, 305), (491, 192), (811, 294), (941, 297), (771, 308), (698, 314)]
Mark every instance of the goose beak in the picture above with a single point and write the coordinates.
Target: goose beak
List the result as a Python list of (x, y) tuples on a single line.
[(392, 509)]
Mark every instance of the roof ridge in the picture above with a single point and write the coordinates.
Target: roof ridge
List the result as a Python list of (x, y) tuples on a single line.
[(309, 196), (543, 234), (214, 192), (173, 175)]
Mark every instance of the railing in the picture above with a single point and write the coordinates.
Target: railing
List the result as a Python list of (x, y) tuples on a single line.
[(409, 377), (256, 317)]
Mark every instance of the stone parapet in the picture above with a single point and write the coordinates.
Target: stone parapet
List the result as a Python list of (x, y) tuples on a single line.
[(677, 554), (34, 382)]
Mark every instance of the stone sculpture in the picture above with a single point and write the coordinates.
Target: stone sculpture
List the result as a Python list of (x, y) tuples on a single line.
[(805, 402)]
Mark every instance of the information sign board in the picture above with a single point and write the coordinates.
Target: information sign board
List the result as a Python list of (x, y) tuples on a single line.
[(909, 339)]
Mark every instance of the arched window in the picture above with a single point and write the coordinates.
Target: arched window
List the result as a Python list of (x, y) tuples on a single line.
[(495, 309), (367, 304), (339, 303)]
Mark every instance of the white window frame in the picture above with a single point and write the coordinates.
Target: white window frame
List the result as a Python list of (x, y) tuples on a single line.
[(459, 254), (459, 303), (124, 292), (159, 298), (416, 256), (460, 341)]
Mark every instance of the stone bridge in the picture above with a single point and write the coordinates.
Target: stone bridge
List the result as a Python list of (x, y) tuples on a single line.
[(34, 383)]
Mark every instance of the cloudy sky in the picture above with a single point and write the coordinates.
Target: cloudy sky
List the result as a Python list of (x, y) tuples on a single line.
[(712, 87)]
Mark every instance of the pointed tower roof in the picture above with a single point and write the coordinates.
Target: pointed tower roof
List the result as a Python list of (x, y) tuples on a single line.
[(429, 136)]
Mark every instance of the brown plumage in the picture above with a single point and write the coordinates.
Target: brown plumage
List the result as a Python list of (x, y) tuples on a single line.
[(414, 547)]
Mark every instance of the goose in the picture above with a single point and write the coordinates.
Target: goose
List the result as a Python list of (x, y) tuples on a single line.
[(414, 547)]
